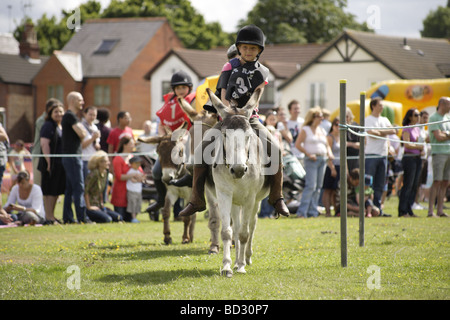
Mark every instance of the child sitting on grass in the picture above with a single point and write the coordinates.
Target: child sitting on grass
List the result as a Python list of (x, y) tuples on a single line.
[(370, 209)]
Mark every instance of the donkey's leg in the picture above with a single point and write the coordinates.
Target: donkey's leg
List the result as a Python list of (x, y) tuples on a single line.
[(213, 222), (166, 221), (224, 204), (252, 228), (236, 226), (186, 226), (244, 234), (193, 219)]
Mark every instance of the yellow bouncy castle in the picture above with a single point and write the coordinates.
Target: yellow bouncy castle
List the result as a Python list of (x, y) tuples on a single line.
[(201, 96), (400, 95)]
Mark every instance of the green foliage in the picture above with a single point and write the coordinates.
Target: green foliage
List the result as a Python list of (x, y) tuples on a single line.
[(283, 21), (437, 23), (189, 25), (302, 21), (53, 34)]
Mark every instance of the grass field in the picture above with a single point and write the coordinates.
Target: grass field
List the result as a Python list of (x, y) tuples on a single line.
[(294, 259)]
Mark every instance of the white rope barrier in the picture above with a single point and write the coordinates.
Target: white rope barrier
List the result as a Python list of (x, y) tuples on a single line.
[(81, 155), (388, 128)]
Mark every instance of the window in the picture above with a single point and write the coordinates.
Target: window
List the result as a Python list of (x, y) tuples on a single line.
[(268, 96), (102, 95), (106, 46), (166, 88), (317, 95), (55, 91)]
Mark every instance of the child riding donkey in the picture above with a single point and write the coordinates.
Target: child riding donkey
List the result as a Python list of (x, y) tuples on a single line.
[(240, 77)]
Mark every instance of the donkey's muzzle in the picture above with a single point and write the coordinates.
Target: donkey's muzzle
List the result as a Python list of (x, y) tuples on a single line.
[(238, 170)]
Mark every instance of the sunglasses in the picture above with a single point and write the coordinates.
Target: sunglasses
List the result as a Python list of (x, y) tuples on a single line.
[(416, 114)]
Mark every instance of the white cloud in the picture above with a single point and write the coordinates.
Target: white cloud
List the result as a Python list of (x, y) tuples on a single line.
[(399, 17)]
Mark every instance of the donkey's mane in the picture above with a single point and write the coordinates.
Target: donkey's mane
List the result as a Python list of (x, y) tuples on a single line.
[(236, 121)]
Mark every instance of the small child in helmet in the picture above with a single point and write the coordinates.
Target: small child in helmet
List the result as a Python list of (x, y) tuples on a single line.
[(172, 117), (239, 79)]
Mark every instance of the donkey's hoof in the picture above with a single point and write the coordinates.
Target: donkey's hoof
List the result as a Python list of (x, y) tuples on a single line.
[(227, 273), (241, 270), (213, 250), (168, 240), (185, 241)]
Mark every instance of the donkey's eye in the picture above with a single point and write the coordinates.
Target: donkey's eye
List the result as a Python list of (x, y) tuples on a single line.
[(180, 153)]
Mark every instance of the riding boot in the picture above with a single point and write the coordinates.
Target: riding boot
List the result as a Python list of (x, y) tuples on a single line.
[(197, 202), (161, 190), (184, 181), (276, 193)]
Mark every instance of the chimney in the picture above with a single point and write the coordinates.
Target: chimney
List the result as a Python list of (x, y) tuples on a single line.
[(28, 45)]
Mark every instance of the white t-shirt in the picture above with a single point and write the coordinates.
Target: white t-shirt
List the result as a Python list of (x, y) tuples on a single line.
[(315, 143), (34, 200), (131, 185), (86, 153), (373, 145), (294, 127)]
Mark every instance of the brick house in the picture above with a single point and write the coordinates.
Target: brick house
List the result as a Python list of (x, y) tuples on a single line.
[(107, 61), (19, 62)]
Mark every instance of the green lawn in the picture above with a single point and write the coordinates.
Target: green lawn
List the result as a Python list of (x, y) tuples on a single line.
[(403, 258)]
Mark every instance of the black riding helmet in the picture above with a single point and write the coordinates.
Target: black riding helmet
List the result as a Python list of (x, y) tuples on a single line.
[(250, 34), (181, 78)]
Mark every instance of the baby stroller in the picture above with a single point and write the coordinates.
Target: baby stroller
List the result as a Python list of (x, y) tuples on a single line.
[(293, 181), (149, 192)]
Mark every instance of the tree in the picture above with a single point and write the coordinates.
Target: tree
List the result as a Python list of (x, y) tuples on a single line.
[(189, 25), (302, 21), (53, 34), (437, 23)]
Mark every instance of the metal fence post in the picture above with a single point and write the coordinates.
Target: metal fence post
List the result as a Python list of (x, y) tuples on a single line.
[(362, 171), (343, 172)]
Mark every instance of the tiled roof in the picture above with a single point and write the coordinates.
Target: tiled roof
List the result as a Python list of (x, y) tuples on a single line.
[(410, 58), (19, 70), (423, 58), (132, 35), (204, 63)]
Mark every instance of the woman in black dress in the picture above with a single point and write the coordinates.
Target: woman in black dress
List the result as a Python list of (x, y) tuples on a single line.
[(53, 176)]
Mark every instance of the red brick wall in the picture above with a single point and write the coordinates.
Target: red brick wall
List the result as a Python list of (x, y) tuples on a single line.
[(18, 103), (53, 73), (114, 85)]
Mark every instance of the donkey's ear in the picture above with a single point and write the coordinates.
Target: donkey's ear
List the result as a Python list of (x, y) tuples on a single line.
[(179, 133), (252, 103), (222, 109), (150, 140), (187, 108)]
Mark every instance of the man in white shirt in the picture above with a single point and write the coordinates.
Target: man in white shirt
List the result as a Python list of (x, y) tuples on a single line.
[(376, 150), (294, 124)]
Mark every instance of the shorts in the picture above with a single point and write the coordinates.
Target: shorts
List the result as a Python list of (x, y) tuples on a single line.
[(441, 167), (368, 203), (134, 202)]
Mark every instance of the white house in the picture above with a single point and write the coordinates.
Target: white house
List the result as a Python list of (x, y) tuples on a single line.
[(363, 59)]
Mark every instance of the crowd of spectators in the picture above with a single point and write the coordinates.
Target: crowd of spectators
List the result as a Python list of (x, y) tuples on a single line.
[(72, 156)]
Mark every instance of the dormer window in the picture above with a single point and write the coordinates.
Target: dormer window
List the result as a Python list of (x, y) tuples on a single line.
[(106, 46)]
